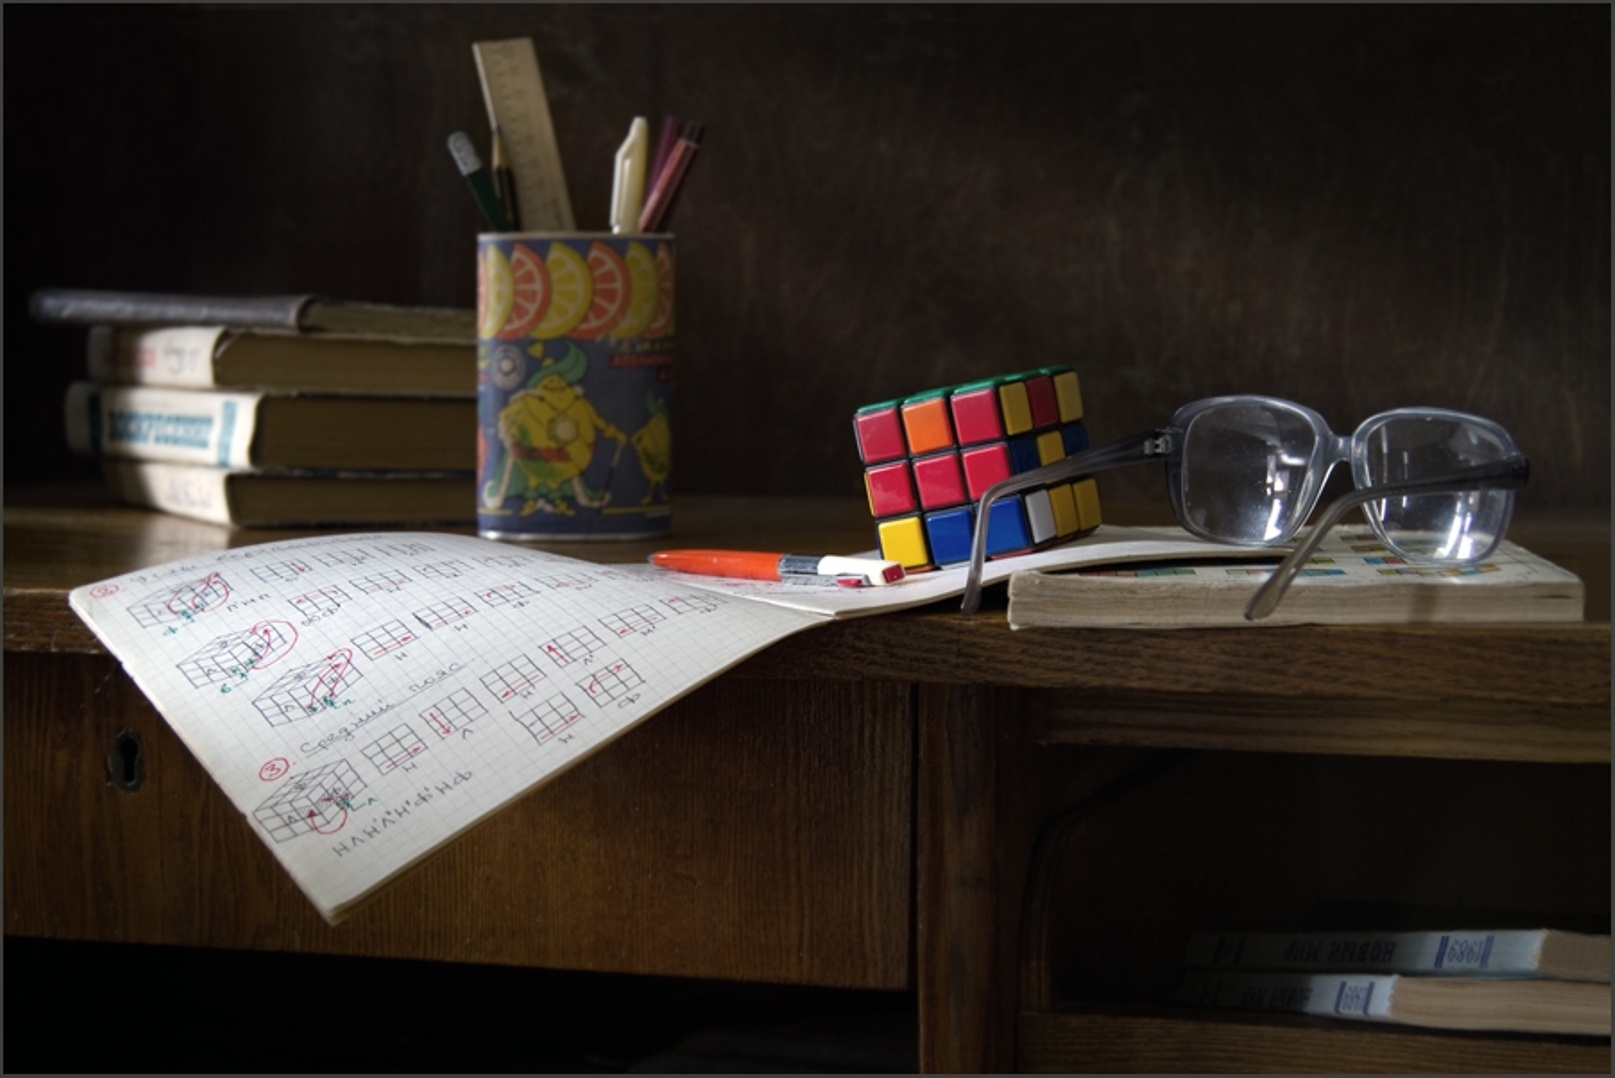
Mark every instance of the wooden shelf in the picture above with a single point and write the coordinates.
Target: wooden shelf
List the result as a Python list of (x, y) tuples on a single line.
[(1057, 807), (1240, 841), (1526, 692), (1113, 1041), (1552, 725)]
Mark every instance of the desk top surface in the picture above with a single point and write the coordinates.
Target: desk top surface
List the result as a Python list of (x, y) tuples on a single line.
[(57, 538)]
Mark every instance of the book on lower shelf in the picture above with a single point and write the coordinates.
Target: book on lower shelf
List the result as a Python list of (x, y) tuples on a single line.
[(1539, 952), (224, 357), (253, 499), (264, 430), (1352, 580), (1496, 1004)]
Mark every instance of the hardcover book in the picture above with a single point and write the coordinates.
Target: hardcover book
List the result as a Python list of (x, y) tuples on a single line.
[(1542, 952), (218, 357), (1470, 1003), (1352, 580), (271, 430), (294, 313), (252, 499)]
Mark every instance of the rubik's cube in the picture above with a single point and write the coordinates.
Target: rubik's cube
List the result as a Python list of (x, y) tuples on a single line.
[(929, 458)]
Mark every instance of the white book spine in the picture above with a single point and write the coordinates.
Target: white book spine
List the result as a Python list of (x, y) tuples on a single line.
[(178, 425), (178, 356), (1507, 953), (1334, 995), (187, 490)]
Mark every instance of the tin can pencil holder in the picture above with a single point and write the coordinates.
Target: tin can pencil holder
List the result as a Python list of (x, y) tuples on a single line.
[(574, 385)]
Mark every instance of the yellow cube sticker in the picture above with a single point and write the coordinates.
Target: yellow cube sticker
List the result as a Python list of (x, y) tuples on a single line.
[(1065, 510), (1068, 395), (1086, 494), (1017, 407), (903, 541), (1050, 447)]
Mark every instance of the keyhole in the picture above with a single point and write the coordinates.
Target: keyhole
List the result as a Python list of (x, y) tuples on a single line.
[(126, 761)]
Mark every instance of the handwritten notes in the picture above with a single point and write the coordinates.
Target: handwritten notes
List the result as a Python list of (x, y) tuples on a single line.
[(362, 699)]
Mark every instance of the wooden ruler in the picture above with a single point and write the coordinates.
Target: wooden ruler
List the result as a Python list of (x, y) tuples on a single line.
[(520, 112)]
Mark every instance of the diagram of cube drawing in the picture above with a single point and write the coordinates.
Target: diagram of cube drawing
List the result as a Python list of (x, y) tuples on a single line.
[(514, 678), (286, 570), (612, 681), (453, 711), (174, 603), (234, 655), (929, 458), (384, 639), (548, 718), (444, 613), (387, 580), (302, 692), (324, 601), (399, 747), (572, 647), (315, 801)]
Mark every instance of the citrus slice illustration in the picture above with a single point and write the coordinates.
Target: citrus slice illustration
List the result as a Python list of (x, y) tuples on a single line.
[(610, 275), (530, 292), (643, 292), (571, 290), (662, 324), (497, 292)]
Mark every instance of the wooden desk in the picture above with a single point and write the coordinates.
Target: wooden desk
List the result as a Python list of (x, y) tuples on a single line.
[(859, 806)]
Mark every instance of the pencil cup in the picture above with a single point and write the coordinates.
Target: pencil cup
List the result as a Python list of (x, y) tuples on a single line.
[(574, 385)]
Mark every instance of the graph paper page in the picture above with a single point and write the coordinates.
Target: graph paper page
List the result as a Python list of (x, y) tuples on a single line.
[(1107, 544), (363, 699)]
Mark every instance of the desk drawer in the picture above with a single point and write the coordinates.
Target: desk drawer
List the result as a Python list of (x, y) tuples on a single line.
[(757, 830)]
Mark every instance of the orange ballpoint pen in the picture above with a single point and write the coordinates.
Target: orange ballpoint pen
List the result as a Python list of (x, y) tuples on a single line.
[(756, 565)]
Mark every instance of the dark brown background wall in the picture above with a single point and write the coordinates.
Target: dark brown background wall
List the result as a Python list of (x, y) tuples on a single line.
[(1356, 207)]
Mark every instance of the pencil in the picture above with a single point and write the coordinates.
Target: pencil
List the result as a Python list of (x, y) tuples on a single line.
[(470, 165), (660, 202), (665, 141), (504, 181)]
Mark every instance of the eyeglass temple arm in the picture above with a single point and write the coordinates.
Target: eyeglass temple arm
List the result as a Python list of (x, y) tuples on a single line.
[(1508, 474), (1152, 445)]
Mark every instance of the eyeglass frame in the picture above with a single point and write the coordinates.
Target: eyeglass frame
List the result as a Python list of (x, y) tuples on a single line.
[(1166, 444)]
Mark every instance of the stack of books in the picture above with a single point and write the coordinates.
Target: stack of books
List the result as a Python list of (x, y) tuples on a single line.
[(276, 411), (1518, 981)]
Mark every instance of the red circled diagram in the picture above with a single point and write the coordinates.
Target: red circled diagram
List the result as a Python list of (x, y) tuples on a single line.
[(274, 769)]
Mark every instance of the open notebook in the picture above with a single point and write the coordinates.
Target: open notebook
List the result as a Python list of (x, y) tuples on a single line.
[(362, 699)]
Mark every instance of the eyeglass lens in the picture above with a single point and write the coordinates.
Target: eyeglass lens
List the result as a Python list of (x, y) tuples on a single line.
[(1244, 469), (1449, 527)]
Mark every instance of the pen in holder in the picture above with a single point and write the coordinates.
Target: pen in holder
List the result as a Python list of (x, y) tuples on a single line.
[(574, 385)]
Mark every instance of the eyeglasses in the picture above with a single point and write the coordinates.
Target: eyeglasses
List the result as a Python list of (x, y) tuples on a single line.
[(1435, 485)]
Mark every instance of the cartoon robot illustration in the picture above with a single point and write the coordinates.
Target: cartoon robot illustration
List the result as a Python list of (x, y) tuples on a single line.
[(548, 431)]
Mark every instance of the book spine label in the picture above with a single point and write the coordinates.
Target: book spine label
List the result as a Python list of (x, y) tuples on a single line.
[(1330, 995), (180, 356), (188, 490), (1479, 953), (183, 426)]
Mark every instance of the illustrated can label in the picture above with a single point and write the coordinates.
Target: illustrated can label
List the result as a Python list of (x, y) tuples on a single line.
[(574, 385)]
